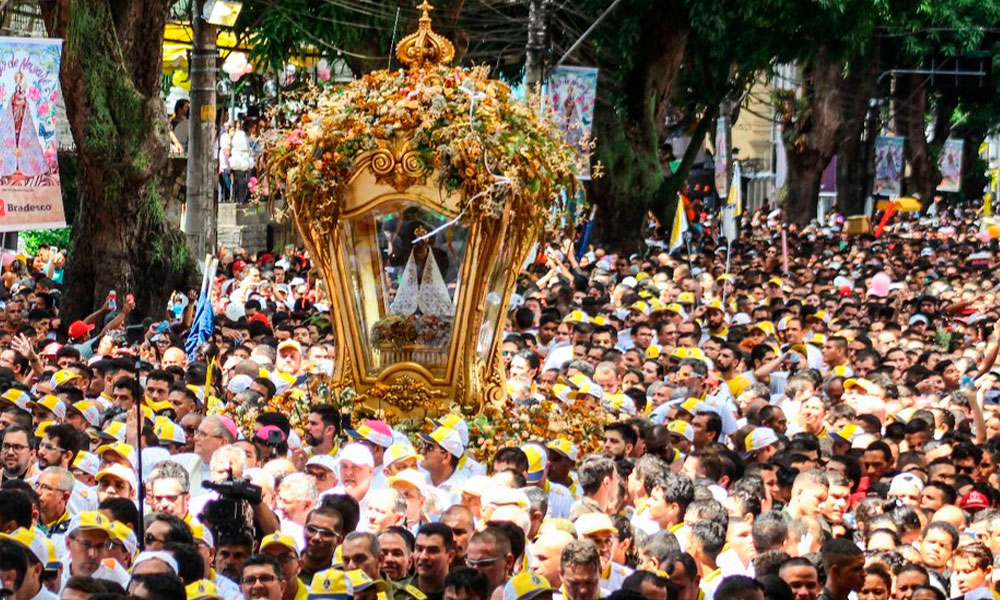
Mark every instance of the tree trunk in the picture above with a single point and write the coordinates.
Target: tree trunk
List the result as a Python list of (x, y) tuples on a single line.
[(922, 156), (854, 158), (110, 77), (629, 140), (975, 177), (812, 135)]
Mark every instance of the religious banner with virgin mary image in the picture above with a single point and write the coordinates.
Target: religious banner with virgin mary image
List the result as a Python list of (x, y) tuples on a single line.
[(30, 197)]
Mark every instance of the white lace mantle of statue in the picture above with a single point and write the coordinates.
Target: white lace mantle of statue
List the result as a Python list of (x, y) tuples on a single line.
[(425, 291)]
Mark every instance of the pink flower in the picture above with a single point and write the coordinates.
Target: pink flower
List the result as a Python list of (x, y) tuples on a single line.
[(34, 94), (54, 96), (43, 108)]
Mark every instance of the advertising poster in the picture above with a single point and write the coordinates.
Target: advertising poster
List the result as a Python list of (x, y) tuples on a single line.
[(30, 197), (950, 163), (569, 99), (722, 156), (888, 166)]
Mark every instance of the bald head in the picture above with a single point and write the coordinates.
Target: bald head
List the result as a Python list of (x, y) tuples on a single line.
[(174, 357), (952, 515), (547, 551)]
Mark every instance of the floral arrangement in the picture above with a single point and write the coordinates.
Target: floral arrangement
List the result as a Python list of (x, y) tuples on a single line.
[(396, 331), (509, 424), (293, 403), (482, 141)]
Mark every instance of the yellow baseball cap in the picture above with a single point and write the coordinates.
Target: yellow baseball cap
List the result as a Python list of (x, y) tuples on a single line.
[(123, 534), (202, 533), (42, 427), (331, 584), (525, 586), (37, 544), (158, 407), (537, 459), (681, 428), (652, 352), (400, 451), (202, 589), (576, 316), (18, 398), (565, 447), (52, 404), (868, 386), (360, 581), (279, 539), (122, 449), (89, 411), (89, 520), (447, 438), (168, 431), (63, 376), (690, 405)]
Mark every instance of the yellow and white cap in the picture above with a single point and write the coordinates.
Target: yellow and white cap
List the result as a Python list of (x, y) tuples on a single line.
[(866, 385), (203, 589), (168, 431), (683, 352), (331, 584), (18, 398), (42, 427), (87, 462), (681, 428), (89, 520), (62, 377), (37, 544), (119, 472), (525, 586), (410, 477), (400, 451), (123, 534), (456, 422), (279, 539), (114, 432), (51, 403), (360, 581), (686, 298), (848, 433), (576, 316), (595, 522), (89, 411), (565, 447), (447, 438), (202, 533), (122, 449), (538, 458)]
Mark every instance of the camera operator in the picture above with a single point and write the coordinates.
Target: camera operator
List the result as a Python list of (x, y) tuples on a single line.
[(233, 503)]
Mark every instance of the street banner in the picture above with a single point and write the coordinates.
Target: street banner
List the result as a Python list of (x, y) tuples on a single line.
[(888, 166), (950, 164), (723, 156), (780, 162), (30, 197), (828, 183), (570, 95)]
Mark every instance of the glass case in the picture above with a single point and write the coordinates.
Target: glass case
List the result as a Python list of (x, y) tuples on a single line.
[(404, 269)]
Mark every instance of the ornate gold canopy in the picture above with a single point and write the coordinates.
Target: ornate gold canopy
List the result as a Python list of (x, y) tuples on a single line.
[(420, 192), (424, 47)]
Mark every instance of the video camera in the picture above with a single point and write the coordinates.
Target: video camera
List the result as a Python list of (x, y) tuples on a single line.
[(232, 512)]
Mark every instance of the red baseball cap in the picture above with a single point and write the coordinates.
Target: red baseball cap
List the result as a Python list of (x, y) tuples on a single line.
[(79, 329), (974, 500)]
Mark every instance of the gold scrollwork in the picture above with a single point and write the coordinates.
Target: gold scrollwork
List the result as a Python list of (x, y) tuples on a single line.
[(404, 393), (396, 164)]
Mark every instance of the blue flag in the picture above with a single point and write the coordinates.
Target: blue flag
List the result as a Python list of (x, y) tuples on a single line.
[(202, 327)]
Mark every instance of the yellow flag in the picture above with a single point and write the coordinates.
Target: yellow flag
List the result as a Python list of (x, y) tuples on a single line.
[(679, 227)]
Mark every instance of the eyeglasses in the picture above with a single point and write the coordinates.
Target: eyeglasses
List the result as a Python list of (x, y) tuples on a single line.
[(200, 433), (91, 546), (18, 448), (483, 562), (49, 447), (165, 498), (324, 533), (44, 488), (265, 579), (151, 539), (965, 468)]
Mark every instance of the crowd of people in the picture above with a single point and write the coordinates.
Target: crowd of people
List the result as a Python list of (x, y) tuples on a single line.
[(816, 424)]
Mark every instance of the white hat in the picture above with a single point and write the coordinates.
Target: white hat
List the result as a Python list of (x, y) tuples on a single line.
[(357, 454), (239, 384), (156, 555), (121, 472), (324, 460), (630, 282)]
